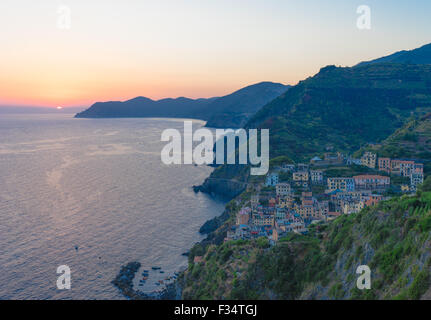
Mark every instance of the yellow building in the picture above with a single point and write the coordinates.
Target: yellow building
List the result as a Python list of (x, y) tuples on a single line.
[(341, 184), (306, 212), (263, 220), (369, 160), (405, 188), (353, 207), (285, 202), (300, 178)]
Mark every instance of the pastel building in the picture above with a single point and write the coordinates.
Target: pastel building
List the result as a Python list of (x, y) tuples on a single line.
[(415, 180), (243, 216), (283, 189), (418, 168), (316, 176), (406, 167), (272, 180), (254, 200), (371, 182), (373, 199), (301, 178), (385, 164), (369, 160), (341, 184)]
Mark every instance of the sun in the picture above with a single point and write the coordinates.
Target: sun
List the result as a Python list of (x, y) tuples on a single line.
[(59, 108)]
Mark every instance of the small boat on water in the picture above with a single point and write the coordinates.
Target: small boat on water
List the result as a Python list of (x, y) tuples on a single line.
[(156, 268), (157, 283), (162, 271)]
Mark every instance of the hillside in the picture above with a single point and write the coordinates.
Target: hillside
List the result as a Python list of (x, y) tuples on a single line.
[(339, 109), (420, 55), (343, 108), (393, 239), (412, 141), (234, 110), (229, 111)]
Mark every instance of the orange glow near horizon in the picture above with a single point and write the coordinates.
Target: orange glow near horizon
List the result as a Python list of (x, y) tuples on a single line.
[(51, 85), (118, 50)]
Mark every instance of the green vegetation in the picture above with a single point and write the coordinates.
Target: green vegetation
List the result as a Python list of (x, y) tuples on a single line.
[(341, 109), (412, 141), (344, 108), (393, 238), (348, 171)]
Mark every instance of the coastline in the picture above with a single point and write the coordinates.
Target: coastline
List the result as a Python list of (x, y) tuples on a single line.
[(124, 283), (173, 291)]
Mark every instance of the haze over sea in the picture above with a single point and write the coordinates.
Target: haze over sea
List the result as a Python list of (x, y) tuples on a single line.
[(98, 185)]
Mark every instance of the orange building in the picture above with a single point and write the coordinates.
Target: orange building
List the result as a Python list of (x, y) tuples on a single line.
[(373, 200), (385, 164)]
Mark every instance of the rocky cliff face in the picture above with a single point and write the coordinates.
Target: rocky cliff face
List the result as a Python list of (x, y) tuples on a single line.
[(226, 189)]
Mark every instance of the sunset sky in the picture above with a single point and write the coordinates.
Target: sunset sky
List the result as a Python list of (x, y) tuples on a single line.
[(116, 50)]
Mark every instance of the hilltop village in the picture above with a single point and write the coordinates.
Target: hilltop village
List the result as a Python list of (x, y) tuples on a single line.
[(294, 196)]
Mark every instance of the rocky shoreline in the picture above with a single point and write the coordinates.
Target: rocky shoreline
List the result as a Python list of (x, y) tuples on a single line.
[(124, 279), (223, 188), (124, 282), (226, 189)]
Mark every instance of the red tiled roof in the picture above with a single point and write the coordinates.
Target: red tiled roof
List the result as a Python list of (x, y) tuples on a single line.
[(365, 176)]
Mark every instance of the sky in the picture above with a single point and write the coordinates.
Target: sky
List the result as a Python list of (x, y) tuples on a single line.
[(76, 52)]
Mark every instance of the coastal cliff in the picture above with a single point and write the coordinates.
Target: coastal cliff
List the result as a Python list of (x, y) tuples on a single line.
[(230, 111), (224, 188)]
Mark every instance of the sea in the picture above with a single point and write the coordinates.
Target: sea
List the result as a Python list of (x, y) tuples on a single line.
[(93, 195)]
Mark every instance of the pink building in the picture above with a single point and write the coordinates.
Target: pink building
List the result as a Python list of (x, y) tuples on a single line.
[(371, 182)]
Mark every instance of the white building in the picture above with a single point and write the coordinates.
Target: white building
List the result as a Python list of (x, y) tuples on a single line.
[(271, 180), (416, 179), (316, 176), (283, 189), (254, 200), (288, 167)]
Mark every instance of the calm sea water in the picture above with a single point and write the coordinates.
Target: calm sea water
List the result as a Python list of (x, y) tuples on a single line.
[(98, 185)]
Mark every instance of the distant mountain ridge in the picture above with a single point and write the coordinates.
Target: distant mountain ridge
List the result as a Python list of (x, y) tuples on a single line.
[(145, 107), (339, 109), (420, 55), (343, 108), (231, 111), (235, 109)]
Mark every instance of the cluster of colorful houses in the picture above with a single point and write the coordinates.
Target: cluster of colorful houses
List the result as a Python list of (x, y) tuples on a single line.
[(278, 208), (402, 167)]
